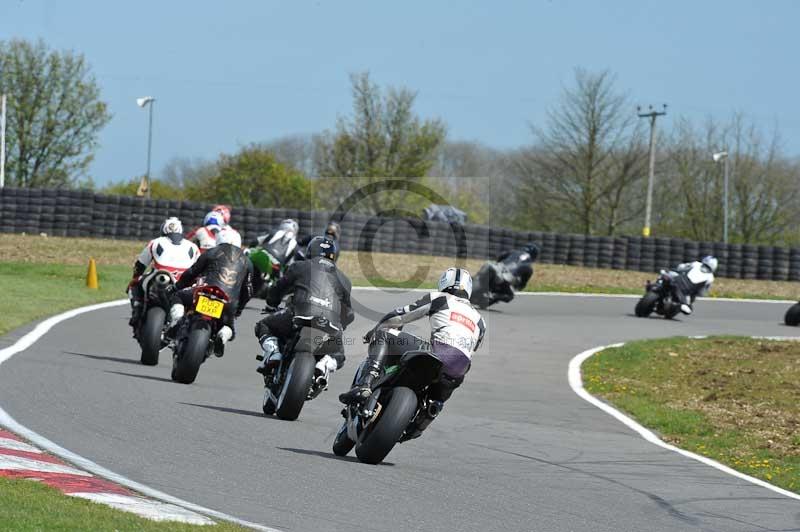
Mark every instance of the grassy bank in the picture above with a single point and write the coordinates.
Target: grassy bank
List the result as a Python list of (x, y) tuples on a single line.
[(383, 269), (32, 506), (732, 399)]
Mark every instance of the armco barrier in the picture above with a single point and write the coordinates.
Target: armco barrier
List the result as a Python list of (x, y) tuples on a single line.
[(78, 213)]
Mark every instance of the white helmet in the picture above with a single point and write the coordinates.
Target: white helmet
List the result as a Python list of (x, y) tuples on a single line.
[(290, 226), (214, 218), (457, 281), (711, 261), (171, 225), (228, 235)]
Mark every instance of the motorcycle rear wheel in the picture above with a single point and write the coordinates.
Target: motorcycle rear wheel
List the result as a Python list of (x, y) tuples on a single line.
[(194, 353), (395, 416), (295, 386), (646, 304), (150, 335)]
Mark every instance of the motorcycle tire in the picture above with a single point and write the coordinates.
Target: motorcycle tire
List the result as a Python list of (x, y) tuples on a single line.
[(671, 310), (395, 416), (342, 444), (150, 335), (646, 304), (296, 385), (793, 315), (194, 353)]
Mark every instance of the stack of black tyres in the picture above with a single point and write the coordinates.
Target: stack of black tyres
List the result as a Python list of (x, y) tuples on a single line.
[(605, 252), (720, 251), (547, 248), (633, 253), (794, 264), (780, 264), (647, 255), (735, 261), (765, 262), (663, 257), (619, 255), (577, 245), (591, 252), (749, 261)]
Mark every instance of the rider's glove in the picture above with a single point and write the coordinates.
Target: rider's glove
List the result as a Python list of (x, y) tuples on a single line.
[(369, 336), (131, 284), (269, 309)]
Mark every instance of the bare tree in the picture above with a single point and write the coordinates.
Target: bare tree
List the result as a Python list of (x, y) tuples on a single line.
[(296, 151), (382, 139), (585, 173)]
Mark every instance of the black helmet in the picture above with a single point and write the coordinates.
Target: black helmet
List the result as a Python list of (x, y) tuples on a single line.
[(333, 230), (322, 246), (532, 249)]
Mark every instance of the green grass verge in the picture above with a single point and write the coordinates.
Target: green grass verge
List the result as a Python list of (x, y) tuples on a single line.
[(34, 291), (31, 506), (732, 399)]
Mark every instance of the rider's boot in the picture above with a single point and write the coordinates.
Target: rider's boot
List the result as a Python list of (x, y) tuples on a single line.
[(270, 356), (362, 389), (686, 308), (323, 371), (136, 313), (422, 421), (223, 337), (176, 312)]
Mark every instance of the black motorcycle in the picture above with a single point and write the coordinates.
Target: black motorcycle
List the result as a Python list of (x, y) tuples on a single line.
[(387, 417), (152, 323), (292, 383), (488, 282), (659, 298), (792, 316), (197, 332)]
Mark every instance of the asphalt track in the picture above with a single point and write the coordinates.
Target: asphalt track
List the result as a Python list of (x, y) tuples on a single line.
[(515, 448)]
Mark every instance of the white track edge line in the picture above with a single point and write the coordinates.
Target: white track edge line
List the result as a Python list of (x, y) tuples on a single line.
[(14, 426), (576, 383)]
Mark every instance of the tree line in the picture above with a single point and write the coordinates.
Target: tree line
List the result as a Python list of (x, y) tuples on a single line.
[(583, 171)]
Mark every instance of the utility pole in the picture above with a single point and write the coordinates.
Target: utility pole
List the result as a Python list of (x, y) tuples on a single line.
[(652, 115), (2, 141), (723, 155)]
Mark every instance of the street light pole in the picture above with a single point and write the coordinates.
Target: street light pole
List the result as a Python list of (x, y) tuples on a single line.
[(652, 115), (2, 141), (143, 102), (717, 156)]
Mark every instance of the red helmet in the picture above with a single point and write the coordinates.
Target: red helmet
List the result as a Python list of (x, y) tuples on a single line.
[(225, 211)]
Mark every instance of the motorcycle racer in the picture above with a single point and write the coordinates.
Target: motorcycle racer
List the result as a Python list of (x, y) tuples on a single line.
[(457, 331), (170, 252), (693, 279)]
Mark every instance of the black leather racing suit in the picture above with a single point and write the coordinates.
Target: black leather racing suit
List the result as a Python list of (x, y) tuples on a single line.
[(319, 290), (226, 267), (520, 264)]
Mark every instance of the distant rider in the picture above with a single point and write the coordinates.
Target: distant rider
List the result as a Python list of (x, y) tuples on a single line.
[(333, 231), (170, 252), (457, 330), (519, 267), (206, 236), (225, 266), (693, 279), (281, 244), (319, 289)]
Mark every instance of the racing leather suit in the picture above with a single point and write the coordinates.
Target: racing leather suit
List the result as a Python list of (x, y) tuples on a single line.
[(226, 267), (171, 253), (205, 237), (319, 289), (689, 280), (519, 264)]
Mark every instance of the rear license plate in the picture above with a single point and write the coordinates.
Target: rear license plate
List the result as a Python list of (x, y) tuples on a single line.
[(209, 307)]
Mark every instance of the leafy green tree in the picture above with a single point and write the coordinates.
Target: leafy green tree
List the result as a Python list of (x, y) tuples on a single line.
[(382, 139), (254, 178), (158, 189), (54, 114)]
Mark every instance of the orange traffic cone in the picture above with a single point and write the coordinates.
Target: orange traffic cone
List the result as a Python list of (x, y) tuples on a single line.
[(91, 275)]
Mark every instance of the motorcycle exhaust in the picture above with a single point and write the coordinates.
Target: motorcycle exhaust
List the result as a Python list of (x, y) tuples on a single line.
[(434, 408), (321, 382)]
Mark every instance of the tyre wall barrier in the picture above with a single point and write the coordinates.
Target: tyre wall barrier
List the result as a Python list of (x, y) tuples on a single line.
[(80, 213)]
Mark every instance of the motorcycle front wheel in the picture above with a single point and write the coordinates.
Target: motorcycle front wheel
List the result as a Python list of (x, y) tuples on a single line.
[(342, 444), (646, 304), (395, 416), (793, 315)]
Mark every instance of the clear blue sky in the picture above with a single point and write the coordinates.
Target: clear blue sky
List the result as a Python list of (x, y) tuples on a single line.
[(230, 73)]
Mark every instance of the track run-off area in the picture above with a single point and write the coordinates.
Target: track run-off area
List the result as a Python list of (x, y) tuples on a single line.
[(515, 448)]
